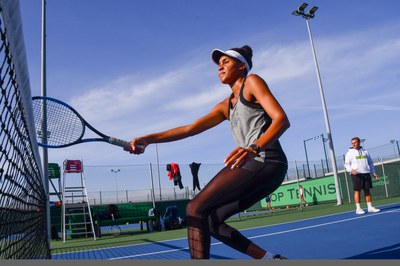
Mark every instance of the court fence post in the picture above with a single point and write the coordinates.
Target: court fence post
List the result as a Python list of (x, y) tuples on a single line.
[(297, 170), (384, 178), (347, 182)]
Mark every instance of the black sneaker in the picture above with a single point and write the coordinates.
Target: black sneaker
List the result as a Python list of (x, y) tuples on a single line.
[(279, 257)]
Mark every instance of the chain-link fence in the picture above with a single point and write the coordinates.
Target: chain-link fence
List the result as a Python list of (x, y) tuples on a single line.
[(387, 185), (323, 167), (144, 183)]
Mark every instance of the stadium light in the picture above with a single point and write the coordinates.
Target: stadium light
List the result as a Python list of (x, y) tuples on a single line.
[(397, 142), (326, 157), (305, 150), (307, 16), (300, 9), (311, 12)]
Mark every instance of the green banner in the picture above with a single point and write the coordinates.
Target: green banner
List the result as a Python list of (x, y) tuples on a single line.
[(381, 181), (315, 191)]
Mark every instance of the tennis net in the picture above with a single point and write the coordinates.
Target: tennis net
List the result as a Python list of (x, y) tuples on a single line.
[(23, 233)]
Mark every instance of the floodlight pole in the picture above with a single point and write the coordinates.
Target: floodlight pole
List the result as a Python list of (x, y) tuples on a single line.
[(116, 181), (300, 12), (152, 186), (326, 157), (44, 152), (305, 150), (397, 142), (158, 170)]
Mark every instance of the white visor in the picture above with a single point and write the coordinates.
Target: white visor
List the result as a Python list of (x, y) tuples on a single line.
[(217, 53)]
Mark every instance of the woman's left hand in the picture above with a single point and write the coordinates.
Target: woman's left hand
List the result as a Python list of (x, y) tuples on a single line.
[(238, 157)]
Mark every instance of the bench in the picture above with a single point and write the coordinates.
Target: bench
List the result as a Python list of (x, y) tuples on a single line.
[(129, 213)]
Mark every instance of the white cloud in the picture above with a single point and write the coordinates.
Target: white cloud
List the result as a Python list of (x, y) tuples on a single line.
[(357, 68), (346, 63)]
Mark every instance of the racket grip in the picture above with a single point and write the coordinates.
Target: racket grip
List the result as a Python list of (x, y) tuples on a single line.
[(122, 143), (119, 142)]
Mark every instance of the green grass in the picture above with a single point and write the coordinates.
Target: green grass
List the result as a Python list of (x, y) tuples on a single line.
[(132, 237)]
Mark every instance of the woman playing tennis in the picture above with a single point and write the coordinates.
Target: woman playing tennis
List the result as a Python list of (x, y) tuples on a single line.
[(253, 170)]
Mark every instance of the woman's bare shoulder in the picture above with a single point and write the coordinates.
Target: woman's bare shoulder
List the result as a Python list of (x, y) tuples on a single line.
[(254, 78)]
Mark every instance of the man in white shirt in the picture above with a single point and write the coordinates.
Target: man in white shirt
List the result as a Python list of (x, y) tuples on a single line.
[(359, 163)]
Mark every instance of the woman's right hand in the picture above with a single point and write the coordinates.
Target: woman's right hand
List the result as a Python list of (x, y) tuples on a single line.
[(138, 146), (238, 157)]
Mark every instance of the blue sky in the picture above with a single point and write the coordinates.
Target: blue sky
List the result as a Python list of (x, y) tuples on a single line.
[(134, 67)]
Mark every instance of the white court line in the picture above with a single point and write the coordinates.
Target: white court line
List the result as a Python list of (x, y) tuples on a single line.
[(324, 216), (217, 243), (150, 253), (323, 224), (264, 235)]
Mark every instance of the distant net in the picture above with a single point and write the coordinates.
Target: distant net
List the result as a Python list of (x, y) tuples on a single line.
[(23, 230)]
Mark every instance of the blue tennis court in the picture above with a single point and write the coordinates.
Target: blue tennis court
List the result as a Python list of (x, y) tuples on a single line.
[(340, 236)]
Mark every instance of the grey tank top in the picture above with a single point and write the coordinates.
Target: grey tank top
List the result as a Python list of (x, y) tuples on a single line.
[(248, 122)]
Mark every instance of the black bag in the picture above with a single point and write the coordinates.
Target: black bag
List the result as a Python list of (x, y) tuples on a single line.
[(113, 209)]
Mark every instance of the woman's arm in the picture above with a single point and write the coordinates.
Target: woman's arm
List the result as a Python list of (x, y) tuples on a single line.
[(213, 118)]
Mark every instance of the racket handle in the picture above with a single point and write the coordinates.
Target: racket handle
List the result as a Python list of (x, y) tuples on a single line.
[(119, 142), (122, 143)]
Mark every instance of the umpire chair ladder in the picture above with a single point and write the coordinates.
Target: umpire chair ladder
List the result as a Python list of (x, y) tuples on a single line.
[(55, 176), (76, 212)]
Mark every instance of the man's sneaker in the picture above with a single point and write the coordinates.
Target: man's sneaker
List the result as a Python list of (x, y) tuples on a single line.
[(373, 209), (360, 211)]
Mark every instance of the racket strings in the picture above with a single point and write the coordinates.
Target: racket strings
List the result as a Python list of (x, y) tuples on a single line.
[(63, 125)]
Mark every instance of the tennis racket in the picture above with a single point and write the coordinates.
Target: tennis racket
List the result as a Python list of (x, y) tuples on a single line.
[(65, 126)]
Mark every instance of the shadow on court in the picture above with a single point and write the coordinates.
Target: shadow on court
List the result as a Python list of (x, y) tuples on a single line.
[(100, 243), (389, 252), (378, 232), (186, 250)]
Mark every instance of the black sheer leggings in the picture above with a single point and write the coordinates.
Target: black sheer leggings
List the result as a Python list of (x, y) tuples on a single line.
[(229, 192)]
